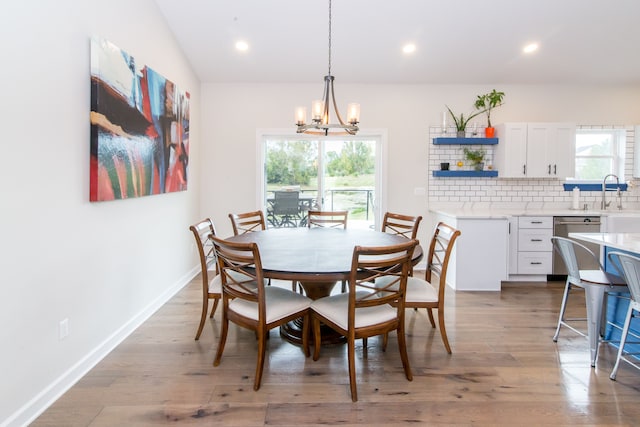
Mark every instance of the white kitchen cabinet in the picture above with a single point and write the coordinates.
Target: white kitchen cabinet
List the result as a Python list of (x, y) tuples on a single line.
[(532, 252), (479, 258), (535, 150)]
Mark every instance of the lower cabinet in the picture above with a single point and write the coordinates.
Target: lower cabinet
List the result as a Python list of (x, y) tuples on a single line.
[(530, 250), (479, 258)]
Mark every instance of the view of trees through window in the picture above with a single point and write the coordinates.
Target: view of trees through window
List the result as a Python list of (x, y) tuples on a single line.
[(598, 153), (337, 175)]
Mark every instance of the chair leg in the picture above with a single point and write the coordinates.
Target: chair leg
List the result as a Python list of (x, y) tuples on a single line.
[(305, 334), (623, 339), (223, 339), (262, 349), (316, 337), (563, 307), (402, 347), (431, 319), (343, 289), (203, 316), (385, 341), (352, 368), (443, 330), (215, 305)]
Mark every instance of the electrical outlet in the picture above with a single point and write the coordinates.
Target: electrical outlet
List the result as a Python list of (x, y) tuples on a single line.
[(63, 329)]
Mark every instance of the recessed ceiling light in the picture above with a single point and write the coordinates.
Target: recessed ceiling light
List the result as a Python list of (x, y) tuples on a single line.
[(242, 46), (409, 48), (531, 47)]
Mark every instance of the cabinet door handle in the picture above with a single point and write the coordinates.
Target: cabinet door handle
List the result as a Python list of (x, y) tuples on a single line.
[(524, 169), (536, 263), (536, 222), (549, 169), (536, 240)]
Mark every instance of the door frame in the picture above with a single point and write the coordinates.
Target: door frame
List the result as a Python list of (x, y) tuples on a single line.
[(380, 135)]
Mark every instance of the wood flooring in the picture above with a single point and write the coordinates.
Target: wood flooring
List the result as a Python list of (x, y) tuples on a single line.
[(505, 370)]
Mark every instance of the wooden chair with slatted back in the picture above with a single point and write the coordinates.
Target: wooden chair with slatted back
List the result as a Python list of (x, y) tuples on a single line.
[(429, 292), (247, 302), (402, 225), (211, 284), (327, 219), (374, 304), (247, 222)]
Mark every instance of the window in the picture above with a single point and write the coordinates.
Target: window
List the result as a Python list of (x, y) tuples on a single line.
[(599, 152), (328, 173)]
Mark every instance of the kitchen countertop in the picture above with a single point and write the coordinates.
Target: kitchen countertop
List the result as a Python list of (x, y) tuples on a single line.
[(623, 241), (503, 211)]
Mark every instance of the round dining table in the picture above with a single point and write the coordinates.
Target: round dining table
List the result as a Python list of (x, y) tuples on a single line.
[(317, 258)]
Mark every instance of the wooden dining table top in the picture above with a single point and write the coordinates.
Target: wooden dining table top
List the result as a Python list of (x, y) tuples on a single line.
[(314, 254)]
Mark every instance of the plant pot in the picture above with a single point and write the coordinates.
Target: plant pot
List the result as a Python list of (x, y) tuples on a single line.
[(460, 134), (478, 166), (490, 132)]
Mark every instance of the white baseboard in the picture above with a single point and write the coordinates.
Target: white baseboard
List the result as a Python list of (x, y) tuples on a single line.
[(36, 406)]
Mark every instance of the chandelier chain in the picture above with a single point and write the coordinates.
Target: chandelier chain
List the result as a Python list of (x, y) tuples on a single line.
[(329, 37)]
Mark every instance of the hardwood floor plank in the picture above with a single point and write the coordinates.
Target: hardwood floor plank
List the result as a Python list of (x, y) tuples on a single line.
[(505, 370)]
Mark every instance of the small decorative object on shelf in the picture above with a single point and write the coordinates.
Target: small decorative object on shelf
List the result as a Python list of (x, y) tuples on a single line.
[(485, 103), (462, 121), (476, 158)]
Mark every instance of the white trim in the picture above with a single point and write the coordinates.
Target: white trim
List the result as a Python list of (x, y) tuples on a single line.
[(36, 406)]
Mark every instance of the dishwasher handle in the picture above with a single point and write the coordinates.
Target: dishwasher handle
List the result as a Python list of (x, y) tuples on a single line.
[(577, 222)]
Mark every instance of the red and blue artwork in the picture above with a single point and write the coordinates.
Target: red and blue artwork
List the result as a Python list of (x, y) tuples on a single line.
[(139, 128)]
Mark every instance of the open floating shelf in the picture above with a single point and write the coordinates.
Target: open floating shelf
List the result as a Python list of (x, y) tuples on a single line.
[(475, 174), (464, 141)]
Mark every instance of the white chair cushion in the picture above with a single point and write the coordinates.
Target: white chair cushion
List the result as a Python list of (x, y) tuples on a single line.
[(215, 284), (419, 290), (336, 309), (279, 303)]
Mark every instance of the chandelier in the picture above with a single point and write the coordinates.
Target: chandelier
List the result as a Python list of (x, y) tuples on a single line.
[(320, 123)]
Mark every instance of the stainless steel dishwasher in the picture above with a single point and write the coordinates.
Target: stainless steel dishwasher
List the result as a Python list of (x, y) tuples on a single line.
[(562, 226)]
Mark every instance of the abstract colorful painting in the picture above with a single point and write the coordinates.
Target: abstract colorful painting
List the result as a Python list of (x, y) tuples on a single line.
[(139, 128)]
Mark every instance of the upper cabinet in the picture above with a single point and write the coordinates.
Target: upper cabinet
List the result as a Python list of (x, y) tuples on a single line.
[(535, 150)]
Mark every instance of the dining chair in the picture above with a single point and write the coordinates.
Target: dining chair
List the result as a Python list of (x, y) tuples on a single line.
[(402, 225), (329, 219), (247, 302), (247, 222), (211, 282), (429, 292), (607, 283), (286, 208), (630, 268), (366, 309)]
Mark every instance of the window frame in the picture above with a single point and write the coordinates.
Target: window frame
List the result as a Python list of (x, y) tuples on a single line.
[(617, 155)]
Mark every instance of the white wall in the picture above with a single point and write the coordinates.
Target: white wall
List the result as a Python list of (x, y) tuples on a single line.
[(104, 266), (235, 111)]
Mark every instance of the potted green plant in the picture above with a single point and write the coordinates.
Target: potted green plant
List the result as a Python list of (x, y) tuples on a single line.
[(476, 158), (462, 121), (485, 103)]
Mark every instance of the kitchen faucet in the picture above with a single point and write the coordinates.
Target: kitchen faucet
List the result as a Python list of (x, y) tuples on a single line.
[(604, 204)]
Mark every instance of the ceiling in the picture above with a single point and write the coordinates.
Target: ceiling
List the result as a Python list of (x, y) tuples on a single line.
[(458, 41)]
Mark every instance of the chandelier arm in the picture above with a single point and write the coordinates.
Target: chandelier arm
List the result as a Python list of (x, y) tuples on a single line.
[(335, 105)]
